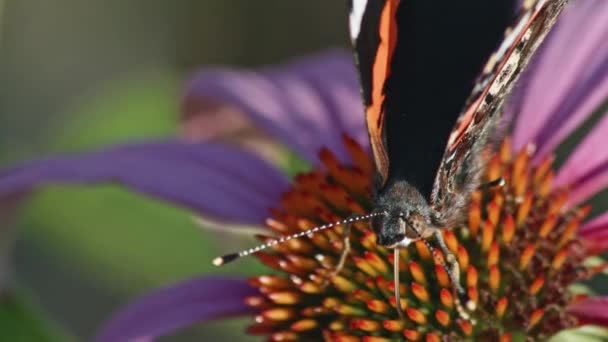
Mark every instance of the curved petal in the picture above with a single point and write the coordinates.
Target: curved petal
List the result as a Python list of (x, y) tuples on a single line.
[(586, 170), (591, 311), (307, 104), (568, 79), (595, 234), (169, 309), (213, 179), (205, 120)]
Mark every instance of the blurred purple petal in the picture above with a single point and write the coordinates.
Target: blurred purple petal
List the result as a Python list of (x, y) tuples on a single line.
[(591, 311), (595, 234), (586, 170), (214, 179), (306, 104), (568, 79), (169, 309)]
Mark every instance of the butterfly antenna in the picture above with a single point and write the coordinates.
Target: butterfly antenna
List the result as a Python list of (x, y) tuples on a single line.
[(233, 256)]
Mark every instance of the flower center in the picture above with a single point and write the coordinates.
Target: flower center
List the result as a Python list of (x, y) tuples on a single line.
[(517, 254)]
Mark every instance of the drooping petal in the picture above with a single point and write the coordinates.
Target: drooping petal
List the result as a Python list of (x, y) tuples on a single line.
[(306, 104), (586, 170), (214, 179), (591, 311), (568, 79), (169, 309), (205, 120), (595, 234)]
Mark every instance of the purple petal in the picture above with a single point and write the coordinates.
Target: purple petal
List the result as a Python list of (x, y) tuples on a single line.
[(591, 311), (595, 234), (568, 79), (586, 170), (169, 309), (214, 179), (306, 104)]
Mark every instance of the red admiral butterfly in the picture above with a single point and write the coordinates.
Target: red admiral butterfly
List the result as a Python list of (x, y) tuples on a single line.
[(425, 174)]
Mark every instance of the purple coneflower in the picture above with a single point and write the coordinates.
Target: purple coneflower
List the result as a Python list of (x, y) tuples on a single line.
[(521, 248)]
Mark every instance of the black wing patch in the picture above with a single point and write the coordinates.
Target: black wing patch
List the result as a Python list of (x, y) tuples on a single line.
[(436, 56)]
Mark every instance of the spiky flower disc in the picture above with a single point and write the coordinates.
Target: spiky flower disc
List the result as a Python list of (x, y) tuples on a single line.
[(517, 252)]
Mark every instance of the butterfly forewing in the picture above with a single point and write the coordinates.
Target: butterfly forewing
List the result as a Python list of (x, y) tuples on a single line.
[(417, 67), (373, 30), (477, 127)]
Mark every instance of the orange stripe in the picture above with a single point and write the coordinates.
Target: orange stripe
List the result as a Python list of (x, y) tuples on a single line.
[(380, 72)]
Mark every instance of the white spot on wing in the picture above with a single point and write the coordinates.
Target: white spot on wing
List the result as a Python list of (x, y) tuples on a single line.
[(356, 16)]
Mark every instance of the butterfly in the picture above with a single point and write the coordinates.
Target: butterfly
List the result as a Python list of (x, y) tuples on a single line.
[(429, 158), (420, 187)]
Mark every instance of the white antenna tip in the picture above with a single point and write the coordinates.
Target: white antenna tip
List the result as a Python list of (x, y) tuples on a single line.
[(471, 305), (219, 261)]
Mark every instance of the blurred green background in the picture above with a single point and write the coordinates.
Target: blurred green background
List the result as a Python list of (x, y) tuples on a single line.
[(78, 74)]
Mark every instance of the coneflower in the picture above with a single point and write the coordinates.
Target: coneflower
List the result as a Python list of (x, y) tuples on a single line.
[(520, 248), (518, 252)]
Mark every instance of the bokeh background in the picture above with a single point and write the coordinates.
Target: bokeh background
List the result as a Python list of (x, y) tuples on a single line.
[(78, 74)]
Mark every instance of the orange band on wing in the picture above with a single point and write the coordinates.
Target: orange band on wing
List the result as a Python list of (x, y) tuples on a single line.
[(380, 72)]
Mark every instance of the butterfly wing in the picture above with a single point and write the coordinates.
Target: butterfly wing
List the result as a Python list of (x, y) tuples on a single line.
[(373, 31), (476, 130), (416, 69)]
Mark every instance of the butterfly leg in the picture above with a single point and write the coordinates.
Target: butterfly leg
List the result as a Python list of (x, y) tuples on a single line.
[(343, 254), (454, 274)]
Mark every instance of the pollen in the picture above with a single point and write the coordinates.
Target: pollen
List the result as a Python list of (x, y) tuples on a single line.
[(416, 315), (393, 325), (508, 229), (487, 235), (442, 276), (472, 276), (474, 217), (412, 335), (526, 256), (420, 292), (417, 272), (501, 306), (493, 254), (506, 337), (466, 327), (494, 278), (442, 317), (378, 306), (432, 337), (536, 285), (516, 248), (535, 317)]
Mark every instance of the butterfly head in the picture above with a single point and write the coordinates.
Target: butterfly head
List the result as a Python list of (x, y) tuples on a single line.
[(406, 216)]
